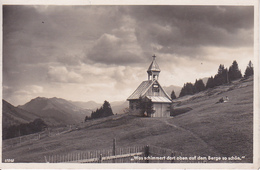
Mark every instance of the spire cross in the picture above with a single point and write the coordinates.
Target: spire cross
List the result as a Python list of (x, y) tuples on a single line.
[(154, 57)]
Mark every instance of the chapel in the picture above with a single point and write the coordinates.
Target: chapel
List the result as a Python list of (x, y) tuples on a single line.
[(151, 89)]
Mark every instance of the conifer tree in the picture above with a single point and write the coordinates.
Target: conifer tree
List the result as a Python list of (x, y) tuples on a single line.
[(222, 76), (187, 89), (87, 118), (234, 72), (199, 86), (107, 110), (249, 70), (210, 83), (173, 96), (190, 88), (195, 88), (104, 111), (183, 91)]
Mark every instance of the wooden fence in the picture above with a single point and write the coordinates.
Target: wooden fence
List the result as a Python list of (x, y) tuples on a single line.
[(25, 139), (7, 143), (118, 155), (135, 154)]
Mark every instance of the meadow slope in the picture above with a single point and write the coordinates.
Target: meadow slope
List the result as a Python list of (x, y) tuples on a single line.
[(209, 129)]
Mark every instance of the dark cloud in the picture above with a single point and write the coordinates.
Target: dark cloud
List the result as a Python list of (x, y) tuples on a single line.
[(67, 45), (229, 18), (44, 33), (175, 27)]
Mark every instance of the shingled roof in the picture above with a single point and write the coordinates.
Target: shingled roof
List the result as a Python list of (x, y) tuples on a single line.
[(141, 89)]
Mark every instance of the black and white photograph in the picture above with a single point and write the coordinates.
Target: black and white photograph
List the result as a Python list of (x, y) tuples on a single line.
[(136, 84)]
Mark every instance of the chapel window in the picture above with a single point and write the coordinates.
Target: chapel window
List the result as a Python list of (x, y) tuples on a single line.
[(155, 88)]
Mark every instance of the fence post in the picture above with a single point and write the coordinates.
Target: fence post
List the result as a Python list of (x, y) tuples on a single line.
[(172, 157), (114, 146), (146, 153), (100, 158), (114, 149)]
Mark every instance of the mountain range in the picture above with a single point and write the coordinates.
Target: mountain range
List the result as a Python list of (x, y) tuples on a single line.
[(59, 112), (54, 111)]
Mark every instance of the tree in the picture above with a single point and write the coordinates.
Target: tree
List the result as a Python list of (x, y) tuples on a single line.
[(199, 86), (146, 105), (183, 91), (187, 89), (87, 118), (104, 111), (195, 90), (96, 114), (173, 96), (107, 110), (38, 125), (222, 76), (220, 69), (234, 72), (210, 83), (249, 70), (149, 107)]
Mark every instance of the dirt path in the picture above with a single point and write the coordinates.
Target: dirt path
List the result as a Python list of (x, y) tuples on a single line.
[(210, 148)]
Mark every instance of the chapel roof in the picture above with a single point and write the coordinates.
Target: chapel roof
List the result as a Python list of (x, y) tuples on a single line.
[(141, 89), (153, 66), (159, 99)]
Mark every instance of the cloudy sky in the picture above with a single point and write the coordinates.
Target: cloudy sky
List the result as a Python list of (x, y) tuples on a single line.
[(102, 53)]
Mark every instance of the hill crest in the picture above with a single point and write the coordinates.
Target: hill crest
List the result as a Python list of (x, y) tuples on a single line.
[(56, 111), (12, 115)]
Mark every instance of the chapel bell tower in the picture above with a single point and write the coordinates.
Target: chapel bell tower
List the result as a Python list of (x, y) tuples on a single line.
[(153, 70)]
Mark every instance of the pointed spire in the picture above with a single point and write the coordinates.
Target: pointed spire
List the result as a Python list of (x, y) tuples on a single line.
[(153, 70), (154, 66)]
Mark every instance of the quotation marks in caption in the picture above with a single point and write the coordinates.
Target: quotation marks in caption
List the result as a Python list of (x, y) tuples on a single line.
[(183, 158)]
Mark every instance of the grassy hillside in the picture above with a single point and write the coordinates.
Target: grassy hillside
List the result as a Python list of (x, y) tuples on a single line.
[(209, 129)]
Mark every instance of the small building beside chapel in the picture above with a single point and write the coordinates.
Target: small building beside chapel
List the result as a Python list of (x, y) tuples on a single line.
[(151, 89)]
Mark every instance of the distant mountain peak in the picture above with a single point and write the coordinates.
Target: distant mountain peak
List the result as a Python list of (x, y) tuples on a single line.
[(56, 111), (39, 98)]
